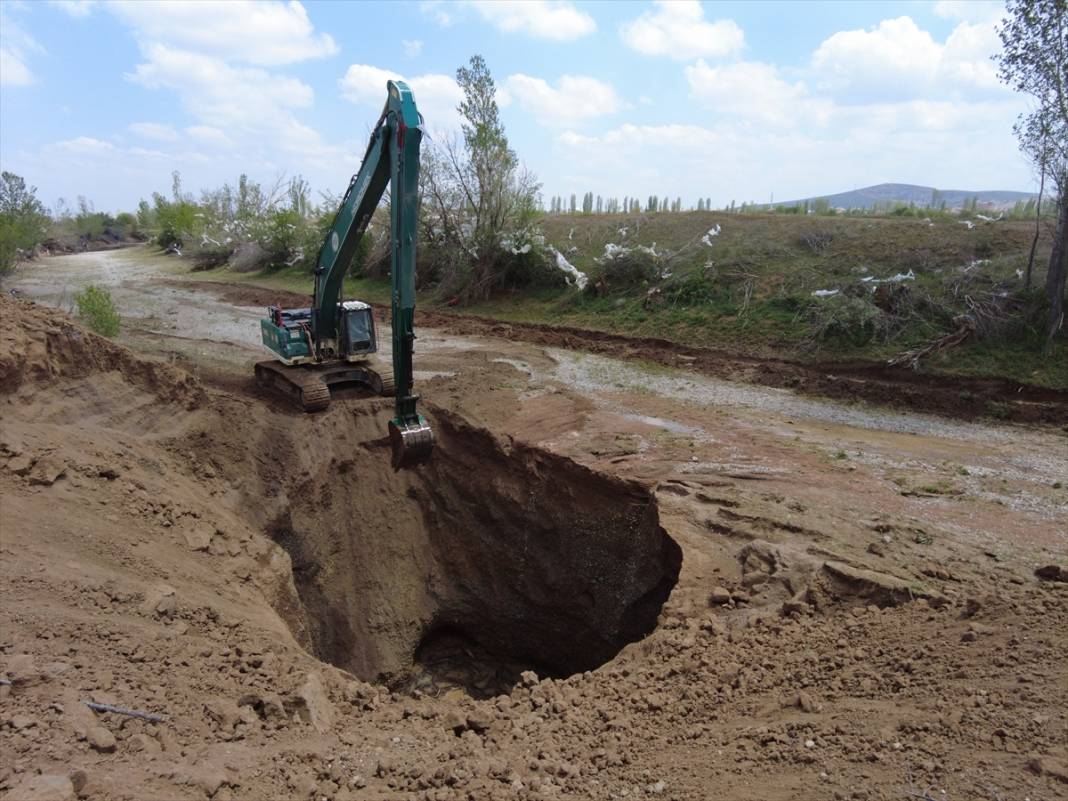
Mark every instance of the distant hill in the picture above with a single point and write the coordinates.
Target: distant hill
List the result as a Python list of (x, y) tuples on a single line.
[(888, 194)]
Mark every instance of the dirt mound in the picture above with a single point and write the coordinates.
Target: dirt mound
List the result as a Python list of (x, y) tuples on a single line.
[(40, 345), (213, 566)]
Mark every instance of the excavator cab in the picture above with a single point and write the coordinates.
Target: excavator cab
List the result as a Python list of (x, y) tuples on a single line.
[(356, 326)]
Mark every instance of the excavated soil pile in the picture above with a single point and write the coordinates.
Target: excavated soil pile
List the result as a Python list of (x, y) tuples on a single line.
[(251, 575)]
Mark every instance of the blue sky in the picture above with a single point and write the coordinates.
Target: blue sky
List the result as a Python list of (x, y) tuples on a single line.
[(732, 101)]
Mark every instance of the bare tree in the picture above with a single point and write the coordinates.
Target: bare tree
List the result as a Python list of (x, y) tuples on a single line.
[(1034, 60)]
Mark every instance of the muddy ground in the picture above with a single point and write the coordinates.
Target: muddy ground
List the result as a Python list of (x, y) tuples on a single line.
[(617, 579)]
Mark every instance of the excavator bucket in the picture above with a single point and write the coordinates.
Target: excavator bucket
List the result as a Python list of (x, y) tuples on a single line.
[(412, 443)]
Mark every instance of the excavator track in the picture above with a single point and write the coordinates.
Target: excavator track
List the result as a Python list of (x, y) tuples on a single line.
[(387, 387), (309, 385)]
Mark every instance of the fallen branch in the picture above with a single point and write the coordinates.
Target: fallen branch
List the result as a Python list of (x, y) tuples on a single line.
[(912, 357), (118, 710)]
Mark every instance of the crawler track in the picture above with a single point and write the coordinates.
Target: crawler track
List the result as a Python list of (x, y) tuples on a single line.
[(310, 385)]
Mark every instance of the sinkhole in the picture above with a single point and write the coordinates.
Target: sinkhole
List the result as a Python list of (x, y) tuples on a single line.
[(493, 558)]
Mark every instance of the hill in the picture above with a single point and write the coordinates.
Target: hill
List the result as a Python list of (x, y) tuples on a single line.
[(888, 194)]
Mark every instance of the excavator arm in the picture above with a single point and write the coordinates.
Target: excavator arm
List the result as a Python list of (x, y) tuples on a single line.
[(392, 158)]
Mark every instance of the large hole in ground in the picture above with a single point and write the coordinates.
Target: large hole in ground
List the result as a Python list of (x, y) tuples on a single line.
[(491, 559)]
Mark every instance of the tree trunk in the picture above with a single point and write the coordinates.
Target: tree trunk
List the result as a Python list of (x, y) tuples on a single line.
[(1038, 222), (1058, 269)]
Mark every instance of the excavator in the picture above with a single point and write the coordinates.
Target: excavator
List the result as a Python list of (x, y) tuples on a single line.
[(332, 342)]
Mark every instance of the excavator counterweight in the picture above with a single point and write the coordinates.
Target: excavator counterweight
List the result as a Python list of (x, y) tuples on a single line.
[(332, 342)]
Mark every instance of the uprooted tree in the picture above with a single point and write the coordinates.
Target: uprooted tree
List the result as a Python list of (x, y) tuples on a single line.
[(1034, 60)]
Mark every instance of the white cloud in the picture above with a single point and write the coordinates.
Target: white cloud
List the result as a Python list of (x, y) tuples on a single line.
[(576, 98), (543, 19), (76, 8), (412, 47), (208, 135), (86, 145), (263, 33), (678, 29), (16, 47), (13, 70), (898, 60), (439, 10), (940, 143), (248, 104), (436, 95), (970, 10), (154, 130), (756, 92)]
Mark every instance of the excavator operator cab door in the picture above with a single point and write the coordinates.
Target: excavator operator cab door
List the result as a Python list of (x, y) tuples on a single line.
[(357, 324)]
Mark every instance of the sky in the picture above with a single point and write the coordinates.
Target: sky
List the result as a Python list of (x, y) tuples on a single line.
[(744, 101)]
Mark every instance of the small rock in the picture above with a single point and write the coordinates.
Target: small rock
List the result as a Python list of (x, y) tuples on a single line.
[(20, 722), (21, 465), (719, 596), (455, 722), (46, 471), (1052, 573), (101, 739), (160, 601), (79, 779), (316, 708), (479, 721), (46, 787), (208, 778), (876, 548), (224, 712), (806, 703), (810, 743), (656, 788), (1050, 766), (528, 678), (198, 535), (22, 669)]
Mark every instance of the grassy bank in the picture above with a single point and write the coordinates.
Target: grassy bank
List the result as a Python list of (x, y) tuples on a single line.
[(749, 287)]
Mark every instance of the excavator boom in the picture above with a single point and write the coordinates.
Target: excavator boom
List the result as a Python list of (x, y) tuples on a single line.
[(333, 331)]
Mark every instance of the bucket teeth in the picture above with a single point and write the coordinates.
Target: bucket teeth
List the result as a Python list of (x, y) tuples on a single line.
[(412, 443)]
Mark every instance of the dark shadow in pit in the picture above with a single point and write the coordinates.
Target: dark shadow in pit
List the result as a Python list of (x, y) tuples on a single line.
[(493, 558)]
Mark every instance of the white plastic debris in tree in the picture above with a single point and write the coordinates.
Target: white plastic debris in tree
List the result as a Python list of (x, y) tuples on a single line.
[(967, 224), (707, 238), (984, 218), (575, 276), (825, 293)]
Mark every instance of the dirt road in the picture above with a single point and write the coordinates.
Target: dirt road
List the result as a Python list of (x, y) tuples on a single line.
[(851, 608)]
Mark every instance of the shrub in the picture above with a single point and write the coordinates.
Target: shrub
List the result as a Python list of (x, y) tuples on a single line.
[(96, 307), (847, 319), (23, 223)]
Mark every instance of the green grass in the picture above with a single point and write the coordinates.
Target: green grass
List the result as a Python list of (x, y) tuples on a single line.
[(751, 291)]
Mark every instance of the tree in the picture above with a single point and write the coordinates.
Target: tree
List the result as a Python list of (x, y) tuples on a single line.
[(23, 222), (1034, 60), (476, 195)]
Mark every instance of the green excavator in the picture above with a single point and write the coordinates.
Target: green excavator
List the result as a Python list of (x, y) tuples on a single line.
[(332, 343)]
